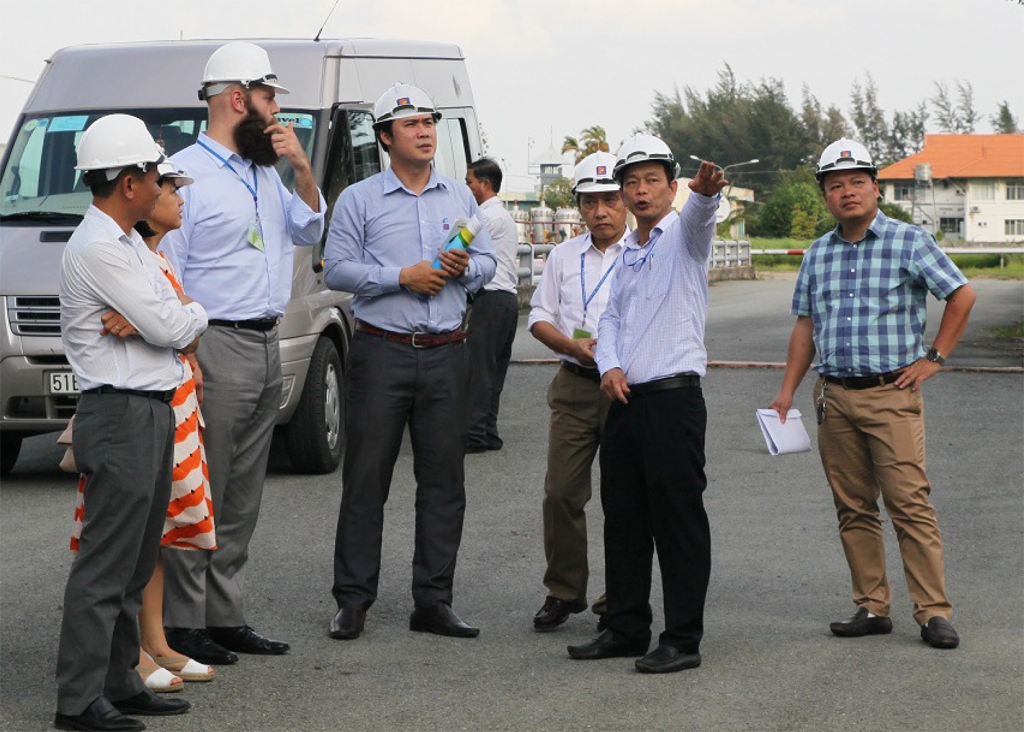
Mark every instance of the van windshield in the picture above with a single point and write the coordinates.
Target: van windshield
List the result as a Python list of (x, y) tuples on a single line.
[(39, 179)]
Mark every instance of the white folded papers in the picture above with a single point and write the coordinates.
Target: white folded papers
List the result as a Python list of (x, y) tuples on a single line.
[(783, 439)]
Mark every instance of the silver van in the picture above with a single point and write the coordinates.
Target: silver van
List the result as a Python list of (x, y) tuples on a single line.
[(333, 86)]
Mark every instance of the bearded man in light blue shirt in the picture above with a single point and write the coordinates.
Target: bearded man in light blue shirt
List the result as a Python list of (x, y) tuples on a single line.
[(408, 363), (234, 253)]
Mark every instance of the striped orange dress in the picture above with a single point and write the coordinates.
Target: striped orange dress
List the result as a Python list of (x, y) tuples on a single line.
[(189, 520)]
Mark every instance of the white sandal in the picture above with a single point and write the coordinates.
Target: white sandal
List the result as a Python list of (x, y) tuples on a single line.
[(160, 680), (186, 668)]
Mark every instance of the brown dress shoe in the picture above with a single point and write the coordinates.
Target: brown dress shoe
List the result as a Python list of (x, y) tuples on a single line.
[(554, 613), (348, 623)]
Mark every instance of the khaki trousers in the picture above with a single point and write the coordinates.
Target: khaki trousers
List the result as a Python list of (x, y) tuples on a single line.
[(578, 413), (871, 443)]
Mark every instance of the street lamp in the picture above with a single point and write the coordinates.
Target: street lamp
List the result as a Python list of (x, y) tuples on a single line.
[(731, 165)]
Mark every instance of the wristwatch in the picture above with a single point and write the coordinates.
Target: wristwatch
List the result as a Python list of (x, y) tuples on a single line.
[(935, 356)]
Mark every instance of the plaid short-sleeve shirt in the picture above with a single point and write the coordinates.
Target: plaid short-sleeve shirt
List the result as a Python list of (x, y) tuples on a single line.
[(867, 298)]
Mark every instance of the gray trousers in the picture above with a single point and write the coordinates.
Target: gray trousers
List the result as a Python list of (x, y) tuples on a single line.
[(389, 386), (492, 331), (123, 445), (241, 398)]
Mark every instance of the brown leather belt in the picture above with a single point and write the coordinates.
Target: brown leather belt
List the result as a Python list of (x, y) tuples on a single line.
[(592, 374), (863, 382), (679, 381), (420, 339)]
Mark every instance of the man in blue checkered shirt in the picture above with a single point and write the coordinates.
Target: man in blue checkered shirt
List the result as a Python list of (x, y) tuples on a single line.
[(860, 307)]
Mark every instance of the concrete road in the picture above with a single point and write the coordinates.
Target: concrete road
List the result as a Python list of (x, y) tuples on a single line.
[(778, 578)]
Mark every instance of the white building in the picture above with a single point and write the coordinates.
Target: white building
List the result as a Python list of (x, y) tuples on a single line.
[(969, 187)]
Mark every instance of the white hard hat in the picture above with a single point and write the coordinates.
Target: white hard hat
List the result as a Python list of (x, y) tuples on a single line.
[(403, 100), (238, 62), (641, 148), (169, 171), (115, 142), (594, 174), (844, 154)]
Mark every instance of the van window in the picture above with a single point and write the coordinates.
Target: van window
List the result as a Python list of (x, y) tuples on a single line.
[(452, 156), (353, 154), (39, 176)]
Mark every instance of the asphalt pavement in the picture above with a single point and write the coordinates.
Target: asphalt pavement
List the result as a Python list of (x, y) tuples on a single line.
[(778, 578)]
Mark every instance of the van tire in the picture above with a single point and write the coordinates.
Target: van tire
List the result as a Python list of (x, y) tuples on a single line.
[(315, 436), (10, 446)]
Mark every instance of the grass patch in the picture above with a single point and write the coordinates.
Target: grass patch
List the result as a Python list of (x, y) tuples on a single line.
[(1013, 332)]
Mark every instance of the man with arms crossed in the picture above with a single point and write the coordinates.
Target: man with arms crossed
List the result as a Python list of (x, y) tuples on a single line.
[(650, 349), (234, 253), (569, 300), (408, 364), (123, 427), (860, 306)]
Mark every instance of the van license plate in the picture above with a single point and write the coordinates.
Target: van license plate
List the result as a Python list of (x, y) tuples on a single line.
[(63, 382)]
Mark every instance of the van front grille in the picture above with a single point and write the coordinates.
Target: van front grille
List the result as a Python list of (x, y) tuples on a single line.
[(34, 315)]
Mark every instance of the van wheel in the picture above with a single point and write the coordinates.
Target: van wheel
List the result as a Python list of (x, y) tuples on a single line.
[(10, 446), (316, 433)]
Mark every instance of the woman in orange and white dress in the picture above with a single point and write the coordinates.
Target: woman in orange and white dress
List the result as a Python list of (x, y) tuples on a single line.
[(189, 521)]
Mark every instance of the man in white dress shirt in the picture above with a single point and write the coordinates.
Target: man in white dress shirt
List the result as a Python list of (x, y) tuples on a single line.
[(495, 312), (124, 426), (566, 307), (234, 252), (651, 354)]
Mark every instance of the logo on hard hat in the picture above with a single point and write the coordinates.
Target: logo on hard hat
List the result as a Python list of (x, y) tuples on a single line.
[(602, 170), (403, 102), (846, 154)]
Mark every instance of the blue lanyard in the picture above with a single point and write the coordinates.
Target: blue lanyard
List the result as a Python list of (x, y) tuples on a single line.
[(253, 189), (583, 283), (638, 263)]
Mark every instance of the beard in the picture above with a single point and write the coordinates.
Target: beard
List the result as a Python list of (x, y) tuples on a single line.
[(252, 141)]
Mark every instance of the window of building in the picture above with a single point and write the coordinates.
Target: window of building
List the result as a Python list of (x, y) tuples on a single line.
[(951, 225), (984, 190), (1015, 190), (1014, 227), (903, 191)]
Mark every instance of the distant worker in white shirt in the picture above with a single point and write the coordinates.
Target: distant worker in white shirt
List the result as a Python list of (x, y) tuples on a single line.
[(566, 307), (234, 253), (495, 313), (124, 426), (651, 353)]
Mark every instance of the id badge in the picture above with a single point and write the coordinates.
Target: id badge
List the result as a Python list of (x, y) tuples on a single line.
[(580, 333), (255, 234)]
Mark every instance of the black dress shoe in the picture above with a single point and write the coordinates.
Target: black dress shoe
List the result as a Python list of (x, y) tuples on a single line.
[(607, 645), (861, 623), (100, 716), (666, 659), (197, 645), (149, 704), (938, 633), (348, 623), (555, 612), (243, 639), (441, 620), (475, 449)]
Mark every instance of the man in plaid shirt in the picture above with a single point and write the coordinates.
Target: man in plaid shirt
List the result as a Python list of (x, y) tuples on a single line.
[(860, 306)]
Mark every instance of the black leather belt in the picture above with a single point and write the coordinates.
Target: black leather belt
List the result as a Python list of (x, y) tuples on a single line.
[(572, 368), (679, 381), (261, 325), (419, 339), (160, 396), (863, 382)]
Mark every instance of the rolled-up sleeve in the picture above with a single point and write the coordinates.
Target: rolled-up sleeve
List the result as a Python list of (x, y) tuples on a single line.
[(305, 225)]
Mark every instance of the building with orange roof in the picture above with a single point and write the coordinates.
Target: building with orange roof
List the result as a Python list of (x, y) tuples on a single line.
[(969, 187)]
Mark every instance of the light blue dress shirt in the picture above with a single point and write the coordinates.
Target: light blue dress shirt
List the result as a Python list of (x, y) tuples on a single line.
[(653, 326), (218, 266), (378, 227)]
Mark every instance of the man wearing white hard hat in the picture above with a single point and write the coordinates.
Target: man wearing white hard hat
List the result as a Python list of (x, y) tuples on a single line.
[(123, 427), (565, 309), (860, 302), (234, 253), (650, 350), (408, 363)]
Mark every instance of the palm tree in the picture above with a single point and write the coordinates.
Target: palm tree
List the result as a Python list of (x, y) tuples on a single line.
[(591, 140)]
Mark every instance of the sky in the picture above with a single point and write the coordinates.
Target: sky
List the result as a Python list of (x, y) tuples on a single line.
[(544, 69)]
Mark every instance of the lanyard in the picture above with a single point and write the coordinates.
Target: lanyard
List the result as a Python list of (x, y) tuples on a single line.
[(253, 189), (583, 283)]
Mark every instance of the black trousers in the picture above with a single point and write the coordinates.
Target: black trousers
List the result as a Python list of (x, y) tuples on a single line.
[(652, 485), (492, 331), (389, 386)]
